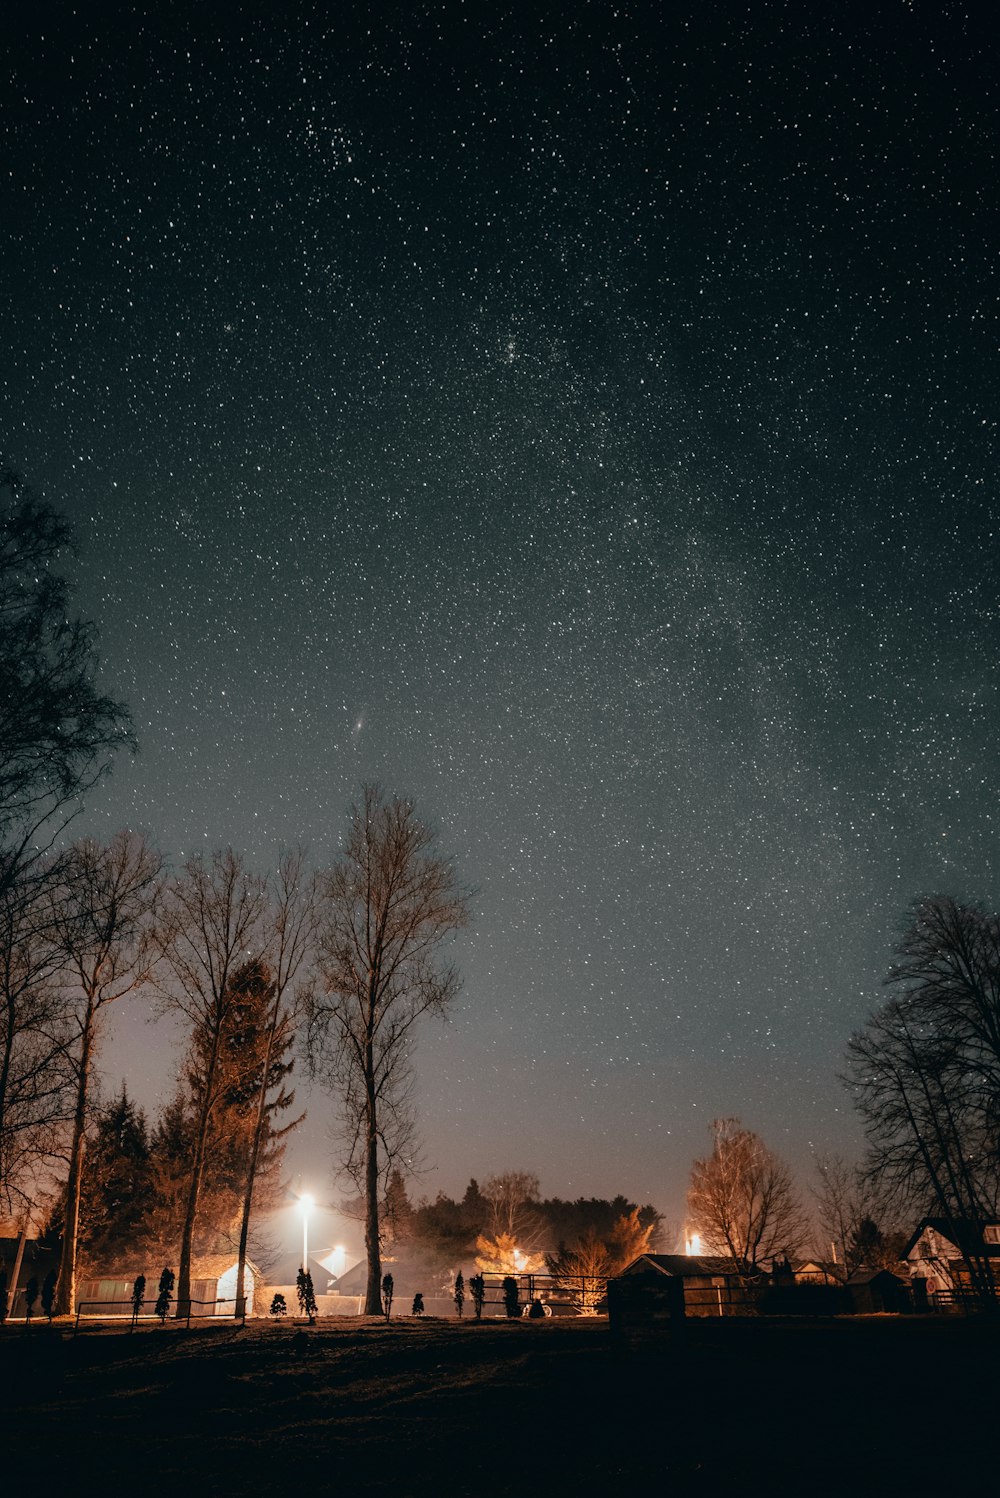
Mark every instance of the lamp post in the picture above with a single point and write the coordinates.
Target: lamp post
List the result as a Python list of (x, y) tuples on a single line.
[(306, 1203)]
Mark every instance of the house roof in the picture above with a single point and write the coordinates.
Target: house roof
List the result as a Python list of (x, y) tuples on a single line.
[(868, 1276), (966, 1237), (213, 1266), (683, 1266)]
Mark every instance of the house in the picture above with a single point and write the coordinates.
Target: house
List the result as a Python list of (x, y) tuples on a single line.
[(951, 1257), (332, 1298), (213, 1288), (658, 1288), (817, 1272)]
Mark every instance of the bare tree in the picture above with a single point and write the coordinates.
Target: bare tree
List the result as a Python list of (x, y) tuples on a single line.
[(513, 1200), (211, 923), (102, 918), (291, 938), (742, 1201), (925, 1073), (387, 907), (842, 1195), (584, 1269)]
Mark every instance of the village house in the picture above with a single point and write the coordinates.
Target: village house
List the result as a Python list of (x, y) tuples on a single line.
[(940, 1253)]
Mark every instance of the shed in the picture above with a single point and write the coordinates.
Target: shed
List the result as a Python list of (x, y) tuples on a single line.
[(874, 1291), (656, 1289)]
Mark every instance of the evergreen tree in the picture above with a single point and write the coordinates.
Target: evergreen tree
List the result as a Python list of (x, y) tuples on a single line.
[(278, 1306), (459, 1292), (138, 1296), (397, 1210), (166, 1294), (118, 1205), (387, 1289), (418, 1305), (478, 1287), (511, 1297), (306, 1295)]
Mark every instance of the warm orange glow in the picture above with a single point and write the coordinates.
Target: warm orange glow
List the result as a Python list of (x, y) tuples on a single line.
[(692, 1244)]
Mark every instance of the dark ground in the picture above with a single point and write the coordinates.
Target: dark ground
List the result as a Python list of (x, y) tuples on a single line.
[(882, 1405)]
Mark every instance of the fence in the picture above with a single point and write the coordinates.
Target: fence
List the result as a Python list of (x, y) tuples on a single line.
[(83, 1313)]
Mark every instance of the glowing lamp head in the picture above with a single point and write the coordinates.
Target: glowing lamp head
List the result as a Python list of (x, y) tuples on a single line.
[(306, 1202)]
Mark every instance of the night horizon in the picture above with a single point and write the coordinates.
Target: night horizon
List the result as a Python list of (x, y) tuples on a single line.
[(583, 426)]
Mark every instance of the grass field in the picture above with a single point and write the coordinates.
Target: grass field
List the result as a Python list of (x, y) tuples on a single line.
[(882, 1405)]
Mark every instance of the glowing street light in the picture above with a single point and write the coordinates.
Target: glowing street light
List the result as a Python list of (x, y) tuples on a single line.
[(306, 1204)]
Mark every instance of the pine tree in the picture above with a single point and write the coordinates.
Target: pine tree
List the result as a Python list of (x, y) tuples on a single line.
[(306, 1295), (478, 1287), (118, 1205), (278, 1306), (138, 1296), (166, 1294), (387, 1289), (459, 1292)]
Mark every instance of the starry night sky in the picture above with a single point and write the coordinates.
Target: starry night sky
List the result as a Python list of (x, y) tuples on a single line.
[(581, 418)]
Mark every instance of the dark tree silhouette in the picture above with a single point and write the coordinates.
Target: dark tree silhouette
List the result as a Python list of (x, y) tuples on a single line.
[(511, 1297), (387, 1289), (165, 1294), (278, 1306), (459, 1292), (925, 1074), (477, 1286), (387, 907), (49, 1294), (30, 1296), (138, 1296), (306, 1295), (58, 733)]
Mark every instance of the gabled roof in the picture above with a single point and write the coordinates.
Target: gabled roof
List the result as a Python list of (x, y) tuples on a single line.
[(966, 1237), (682, 1266), (867, 1276)]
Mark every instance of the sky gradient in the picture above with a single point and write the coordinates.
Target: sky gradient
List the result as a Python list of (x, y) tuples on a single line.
[(583, 422)]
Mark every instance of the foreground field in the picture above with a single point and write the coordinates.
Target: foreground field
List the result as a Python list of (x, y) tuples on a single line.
[(879, 1406)]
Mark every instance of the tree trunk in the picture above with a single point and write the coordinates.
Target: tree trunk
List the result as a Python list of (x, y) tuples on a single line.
[(65, 1302), (197, 1171), (187, 1235), (373, 1290), (258, 1132)]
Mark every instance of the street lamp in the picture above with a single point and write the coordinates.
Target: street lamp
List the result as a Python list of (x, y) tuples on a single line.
[(306, 1203)]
